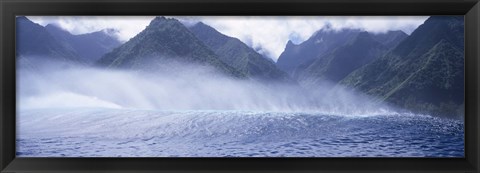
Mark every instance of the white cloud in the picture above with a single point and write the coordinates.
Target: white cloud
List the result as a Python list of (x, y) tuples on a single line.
[(272, 33), (127, 26), (268, 35)]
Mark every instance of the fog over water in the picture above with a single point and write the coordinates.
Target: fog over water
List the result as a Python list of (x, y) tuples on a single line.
[(185, 110), (173, 86)]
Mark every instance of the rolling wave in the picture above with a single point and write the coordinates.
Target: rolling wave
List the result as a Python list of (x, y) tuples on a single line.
[(132, 132)]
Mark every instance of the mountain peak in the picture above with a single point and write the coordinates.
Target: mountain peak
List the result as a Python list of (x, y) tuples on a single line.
[(50, 25), (201, 24), (164, 40), (34, 39), (21, 18), (364, 34), (25, 20), (158, 21), (52, 28), (160, 18), (363, 37), (452, 22), (431, 32), (390, 38), (237, 54), (205, 30), (290, 43)]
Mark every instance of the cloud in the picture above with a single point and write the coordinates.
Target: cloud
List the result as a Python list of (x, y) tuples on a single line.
[(127, 26), (269, 35), (266, 34)]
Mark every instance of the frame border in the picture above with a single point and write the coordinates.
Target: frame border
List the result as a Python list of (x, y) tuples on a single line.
[(10, 8)]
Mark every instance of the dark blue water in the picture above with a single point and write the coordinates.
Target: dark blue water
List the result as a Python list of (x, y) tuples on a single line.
[(140, 133)]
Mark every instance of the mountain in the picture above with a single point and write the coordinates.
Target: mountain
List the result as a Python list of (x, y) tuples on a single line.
[(34, 42), (237, 54), (333, 67), (336, 60), (318, 45), (423, 74), (164, 40), (324, 42), (90, 46), (390, 39)]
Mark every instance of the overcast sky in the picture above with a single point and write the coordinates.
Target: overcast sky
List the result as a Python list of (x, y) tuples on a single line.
[(267, 35)]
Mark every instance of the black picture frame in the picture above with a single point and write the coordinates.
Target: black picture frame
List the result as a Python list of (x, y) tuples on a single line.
[(11, 8)]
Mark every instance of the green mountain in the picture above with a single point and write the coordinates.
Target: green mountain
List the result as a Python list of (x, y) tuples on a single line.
[(333, 67), (325, 43), (318, 45), (390, 39), (35, 43), (164, 40), (237, 54), (423, 74), (90, 46), (330, 63)]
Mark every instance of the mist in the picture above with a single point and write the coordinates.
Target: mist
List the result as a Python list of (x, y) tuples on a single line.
[(174, 86)]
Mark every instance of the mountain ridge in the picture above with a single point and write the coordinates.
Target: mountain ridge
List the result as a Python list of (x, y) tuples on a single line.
[(33, 40), (89, 46), (164, 40), (237, 54), (405, 77)]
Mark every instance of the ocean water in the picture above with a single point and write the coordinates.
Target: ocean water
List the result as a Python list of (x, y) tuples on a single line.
[(211, 133)]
